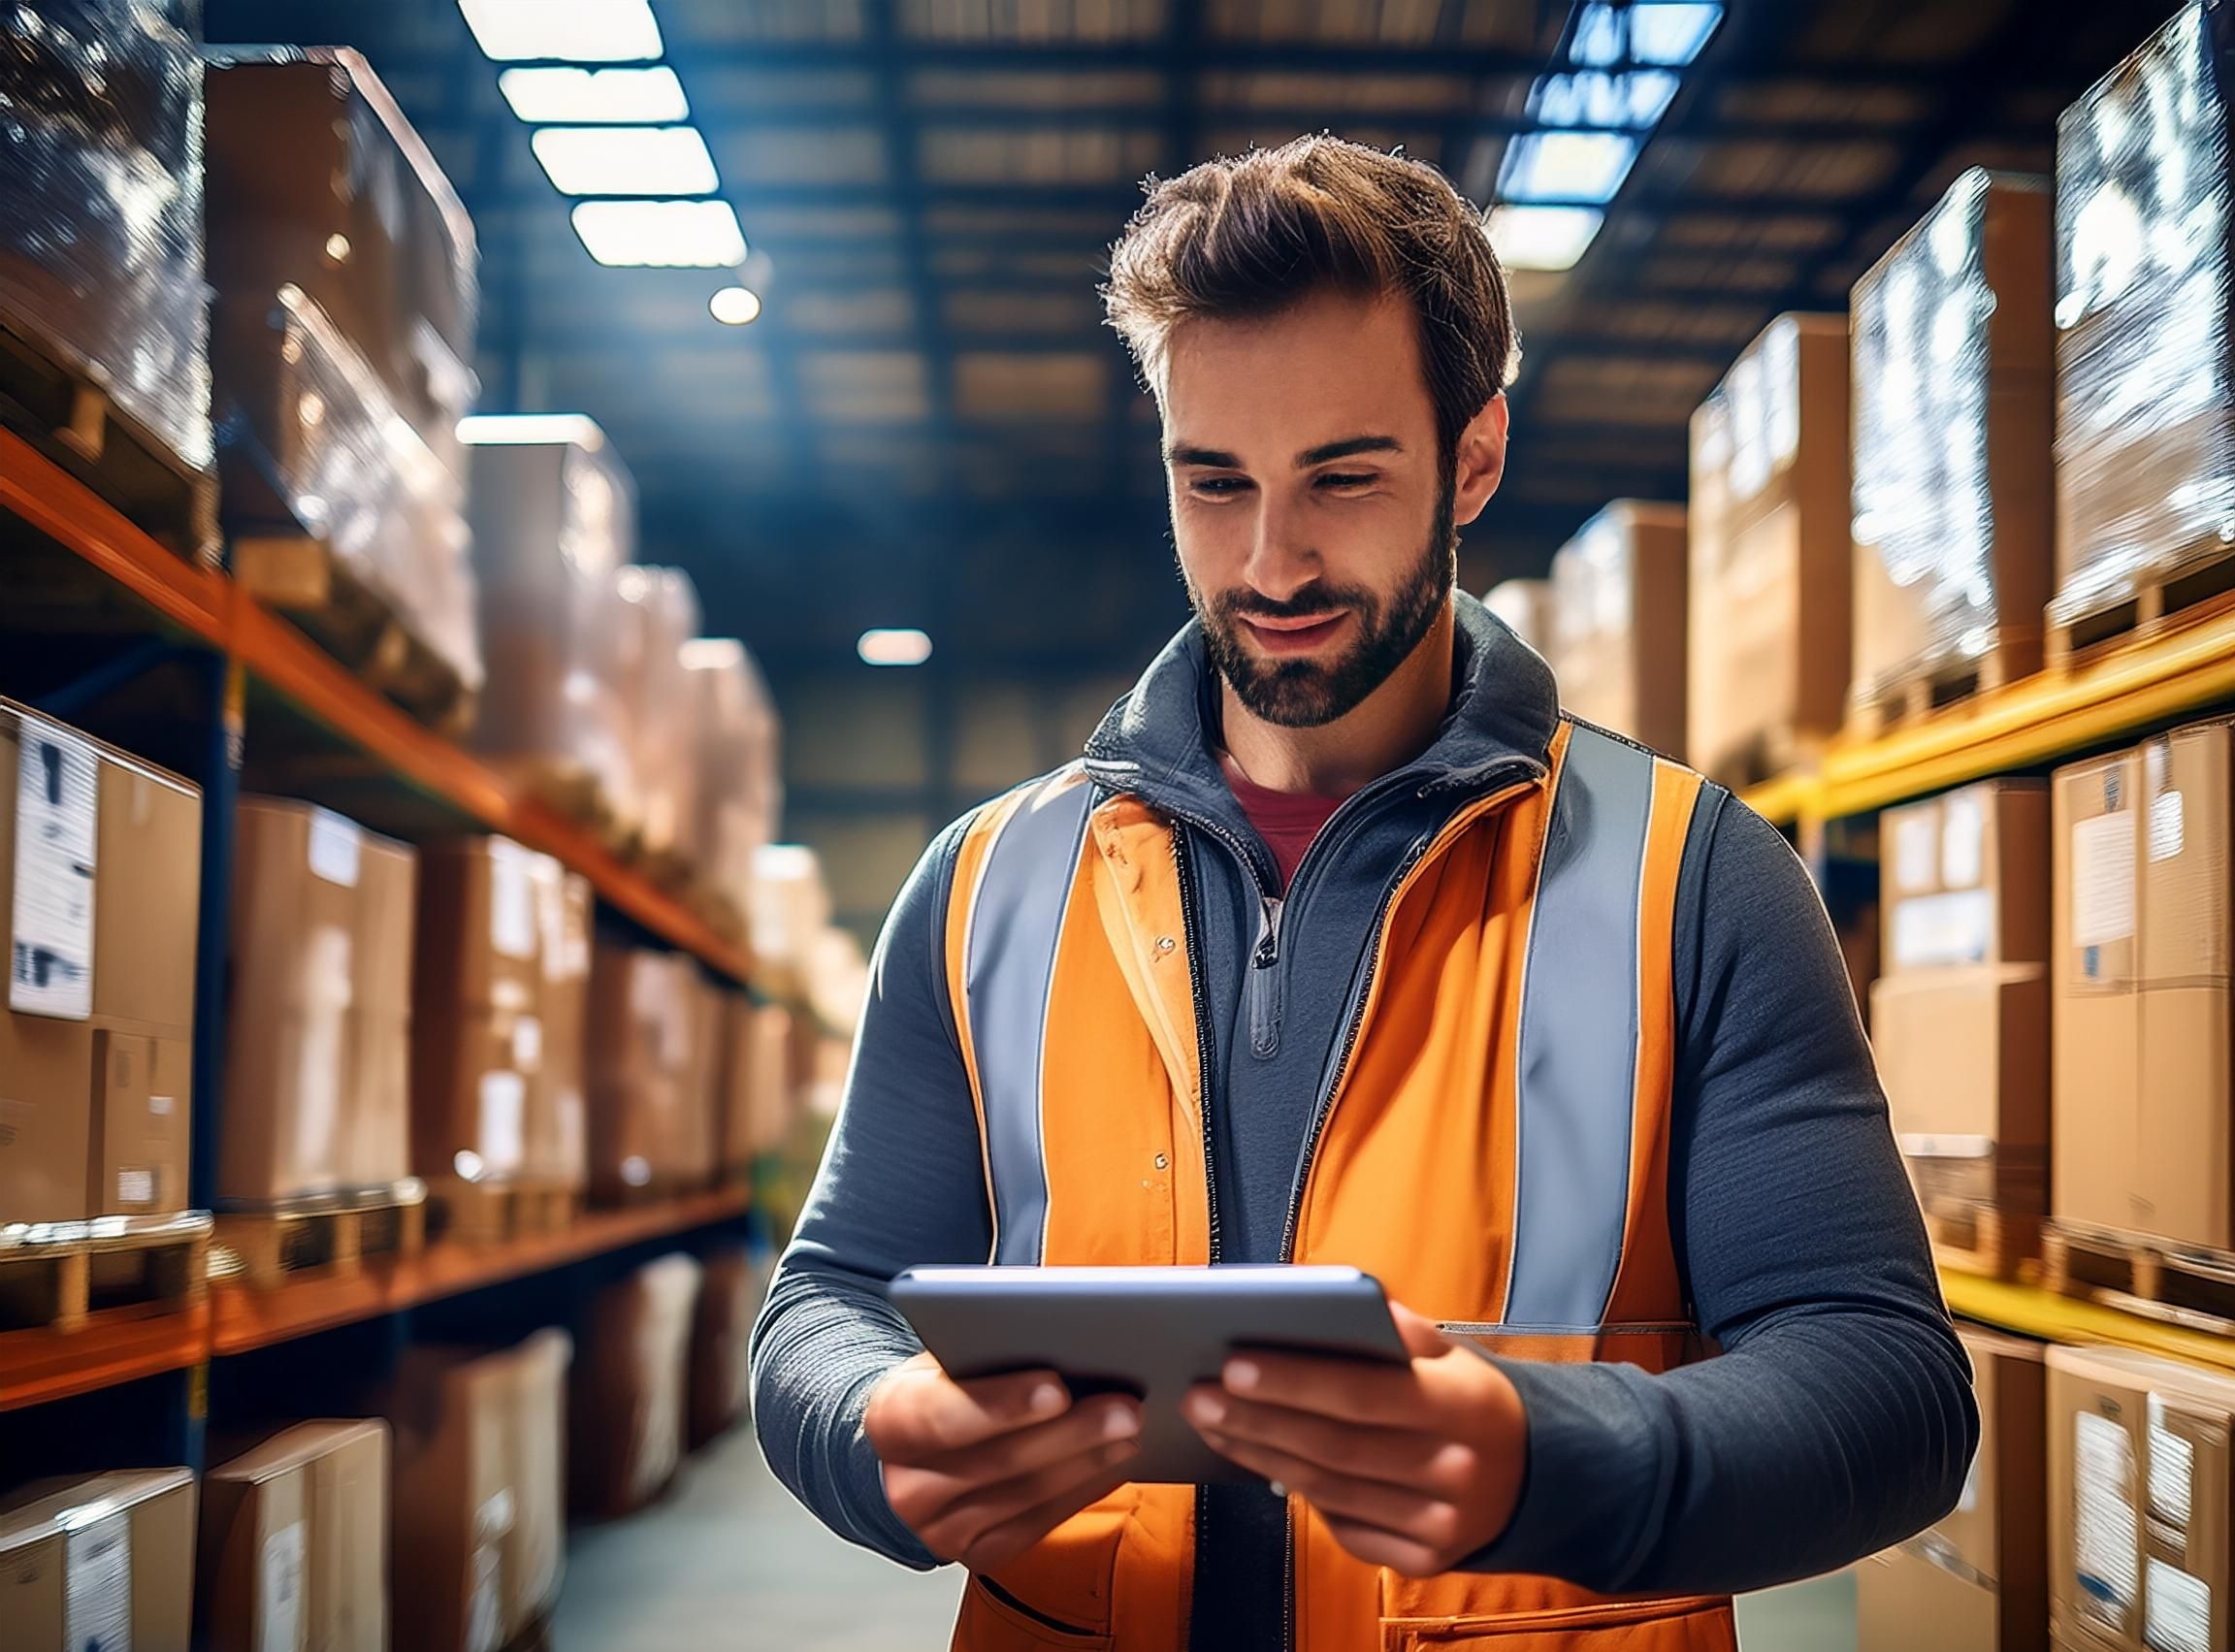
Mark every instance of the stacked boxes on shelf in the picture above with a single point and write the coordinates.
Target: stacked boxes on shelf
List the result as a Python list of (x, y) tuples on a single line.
[(651, 1064), (660, 613), (294, 1542), (1976, 1581), (1618, 631), (1528, 608), (2146, 330), (102, 1562), (1770, 553), (2140, 978), (500, 1003), (1953, 373), (632, 1388), (100, 866), (319, 1007), (1960, 1020), (740, 797), (101, 236), (348, 292)]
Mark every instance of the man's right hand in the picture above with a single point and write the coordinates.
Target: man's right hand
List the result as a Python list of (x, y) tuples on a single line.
[(981, 1470)]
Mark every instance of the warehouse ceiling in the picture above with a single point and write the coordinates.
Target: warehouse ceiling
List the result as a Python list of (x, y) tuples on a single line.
[(929, 425)]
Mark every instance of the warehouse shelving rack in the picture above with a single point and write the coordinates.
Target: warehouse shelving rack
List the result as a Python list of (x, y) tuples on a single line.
[(201, 638), (2058, 715)]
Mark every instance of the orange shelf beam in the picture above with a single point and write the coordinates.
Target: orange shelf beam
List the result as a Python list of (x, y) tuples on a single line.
[(245, 1318), (116, 1345), (208, 605)]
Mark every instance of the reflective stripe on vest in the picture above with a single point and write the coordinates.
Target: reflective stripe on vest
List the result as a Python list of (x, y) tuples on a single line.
[(1014, 922), (1577, 1079)]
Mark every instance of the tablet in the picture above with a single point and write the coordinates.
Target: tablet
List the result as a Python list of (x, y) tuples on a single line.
[(1148, 1332)]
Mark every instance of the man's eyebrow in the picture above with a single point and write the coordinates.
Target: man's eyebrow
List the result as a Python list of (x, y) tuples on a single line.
[(1344, 448), (1210, 457)]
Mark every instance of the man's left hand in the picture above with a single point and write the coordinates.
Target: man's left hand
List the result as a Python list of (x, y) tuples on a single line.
[(1412, 1467)]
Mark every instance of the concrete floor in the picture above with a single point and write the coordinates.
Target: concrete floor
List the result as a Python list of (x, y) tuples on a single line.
[(728, 1562)]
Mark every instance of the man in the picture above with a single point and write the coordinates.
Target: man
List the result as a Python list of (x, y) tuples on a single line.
[(1342, 945)]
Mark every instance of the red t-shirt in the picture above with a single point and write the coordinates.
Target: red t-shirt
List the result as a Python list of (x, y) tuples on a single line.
[(1287, 820)]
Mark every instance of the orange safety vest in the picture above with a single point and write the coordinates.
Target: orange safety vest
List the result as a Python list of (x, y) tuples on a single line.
[(1493, 1148)]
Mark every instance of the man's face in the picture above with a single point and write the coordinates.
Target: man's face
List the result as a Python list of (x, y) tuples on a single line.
[(1310, 504)]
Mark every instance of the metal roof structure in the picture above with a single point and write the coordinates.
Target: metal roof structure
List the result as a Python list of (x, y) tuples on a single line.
[(928, 423)]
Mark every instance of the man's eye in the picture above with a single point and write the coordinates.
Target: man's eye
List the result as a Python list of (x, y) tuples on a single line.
[(1344, 479), (1221, 485)]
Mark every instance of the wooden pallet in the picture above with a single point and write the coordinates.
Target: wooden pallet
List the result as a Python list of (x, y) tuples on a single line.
[(54, 1274), (2182, 1285), (303, 578), (59, 403), (490, 1213), (1974, 1237), (1906, 698), (2184, 591), (266, 1243)]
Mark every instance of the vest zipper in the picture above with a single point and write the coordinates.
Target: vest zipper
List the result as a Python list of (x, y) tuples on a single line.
[(1326, 1104), (1200, 1000), (1265, 982)]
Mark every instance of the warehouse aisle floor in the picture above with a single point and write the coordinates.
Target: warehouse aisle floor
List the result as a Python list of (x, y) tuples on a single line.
[(729, 1561)]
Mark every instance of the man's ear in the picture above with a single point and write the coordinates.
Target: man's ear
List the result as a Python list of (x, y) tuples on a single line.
[(1479, 464)]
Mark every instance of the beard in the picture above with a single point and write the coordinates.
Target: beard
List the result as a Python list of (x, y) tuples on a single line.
[(1309, 694)]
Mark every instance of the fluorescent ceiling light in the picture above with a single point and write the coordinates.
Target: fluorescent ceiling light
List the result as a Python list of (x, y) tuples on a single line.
[(1637, 99), (895, 648), (530, 430), (1565, 166), (626, 160), (564, 31), (735, 307), (1542, 237), (1668, 32), (698, 235), (581, 97)]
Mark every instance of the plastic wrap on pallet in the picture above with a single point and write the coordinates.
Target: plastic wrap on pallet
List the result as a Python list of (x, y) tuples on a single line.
[(739, 794), (2146, 412), (353, 471), (317, 180), (1922, 507), (663, 606), (554, 516), (101, 204), (790, 904)]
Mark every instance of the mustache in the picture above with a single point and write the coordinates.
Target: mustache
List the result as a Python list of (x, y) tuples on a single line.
[(1313, 601)]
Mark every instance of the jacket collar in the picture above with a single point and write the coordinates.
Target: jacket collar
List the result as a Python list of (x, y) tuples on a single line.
[(1159, 741)]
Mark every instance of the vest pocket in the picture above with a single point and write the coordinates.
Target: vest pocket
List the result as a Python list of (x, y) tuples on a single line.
[(1693, 1625), (994, 1620)]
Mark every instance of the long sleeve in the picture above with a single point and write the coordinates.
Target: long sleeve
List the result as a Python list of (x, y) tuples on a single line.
[(902, 1182), (1839, 1418)]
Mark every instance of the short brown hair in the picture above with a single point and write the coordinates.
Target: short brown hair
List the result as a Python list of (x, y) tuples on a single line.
[(1250, 234)]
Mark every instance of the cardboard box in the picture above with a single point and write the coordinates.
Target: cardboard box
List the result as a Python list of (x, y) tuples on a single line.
[(729, 1292), (627, 1410), (110, 963), (1978, 1580), (1954, 394), (1963, 1055), (1770, 552), (98, 1563), (558, 1129), (294, 1543), (318, 1006), (1965, 878), (535, 1549), (2138, 1503), (1618, 633), (645, 1020), (756, 1091), (2095, 1026)]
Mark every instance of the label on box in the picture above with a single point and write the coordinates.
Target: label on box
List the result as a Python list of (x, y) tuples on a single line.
[(1916, 854), (1943, 929), (2175, 1612), (2172, 1471), (162, 1106), (2103, 879), (503, 1118), (135, 1187), (2167, 831), (337, 846), (1963, 841), (57, 804), (2106, 1537), (97, 1585), (1946, 1147), (528, 1044), (512, 899), (280, 1591)]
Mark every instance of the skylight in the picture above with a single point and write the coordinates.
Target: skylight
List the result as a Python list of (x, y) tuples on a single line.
[(1565, 166), (564, 31), (664, 234), (582, 97), (626, 160), (1594, 98), (1668, 32), (1542, 237)]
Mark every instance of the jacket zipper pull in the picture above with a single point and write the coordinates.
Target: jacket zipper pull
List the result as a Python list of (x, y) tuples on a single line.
[(1268, 952), (1265, 984)]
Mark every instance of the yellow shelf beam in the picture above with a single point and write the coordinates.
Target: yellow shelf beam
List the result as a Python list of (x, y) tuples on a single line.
[(2032, 1312)]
